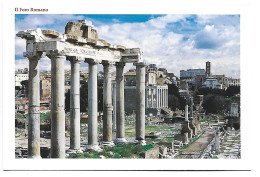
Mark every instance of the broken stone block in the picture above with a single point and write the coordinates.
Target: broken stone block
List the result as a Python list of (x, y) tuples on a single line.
[(153, 135), (169, 145), (82, 29), (74, 29), (50, 33), (151, 153), (178, 143), (162, 150)]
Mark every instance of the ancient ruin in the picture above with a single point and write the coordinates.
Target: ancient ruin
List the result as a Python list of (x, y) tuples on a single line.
[(80, 43), (145, 110)]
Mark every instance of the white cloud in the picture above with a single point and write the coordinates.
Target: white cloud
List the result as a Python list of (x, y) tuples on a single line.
[(20, 46), (164, 47)]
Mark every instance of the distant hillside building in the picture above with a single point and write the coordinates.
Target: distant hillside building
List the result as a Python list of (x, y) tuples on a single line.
[(233, 82), (19, 77), (223, 80), (210, 81), (45, 88), (190, 75), (156, 90), (156, 97)]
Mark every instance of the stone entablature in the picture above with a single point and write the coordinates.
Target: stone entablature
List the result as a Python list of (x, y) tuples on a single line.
[(80, 40)]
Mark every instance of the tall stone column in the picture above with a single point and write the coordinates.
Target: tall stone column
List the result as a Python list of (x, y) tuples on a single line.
[(163, 94), (167, 97), (152, 98), (191, 107), (34, 109), (114, 107), (186, 113), (146, 96), (107, 104), (140, 103), (92, 107), (57, 108), (120, 103), (157, 97), (75, 104)]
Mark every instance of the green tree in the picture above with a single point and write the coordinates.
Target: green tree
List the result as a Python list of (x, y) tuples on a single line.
[(232, 90), (214, 103), (174, 98), (84, 97), (206, 91), (25, 86)]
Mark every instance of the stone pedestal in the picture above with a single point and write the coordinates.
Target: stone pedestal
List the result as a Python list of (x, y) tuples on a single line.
[(34, 109), (186, 138), (217, 141), (186, 129), (92, 107), (198, 127), (193, 126), (57, 108), (140, 102), (75, 105), (120, 101), (107, 105)]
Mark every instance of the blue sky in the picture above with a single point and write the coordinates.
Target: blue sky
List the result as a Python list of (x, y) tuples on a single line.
[(175, 42)]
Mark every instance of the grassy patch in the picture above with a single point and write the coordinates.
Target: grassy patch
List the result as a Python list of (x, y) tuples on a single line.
[(45, 117), (202, 120), (118, 151), (169, 139), (130, 132)]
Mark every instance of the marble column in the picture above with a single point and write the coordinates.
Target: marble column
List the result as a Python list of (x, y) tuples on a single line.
[(161, 100), (165, 90), (75, 105), (140, 103), (186, 113), (120, 103), (167, 97), (146, 96), (34, 109), (191, 107), (114, 107), (163, 94), (157, 98), (152, 105), (57, 107), (92, 107), (107, 105)]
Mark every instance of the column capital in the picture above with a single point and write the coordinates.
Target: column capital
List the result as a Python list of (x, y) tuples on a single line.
[(34, 55), (54, 53), (75, 59), (92, 61), (140, 64), (120, 64), (106, 63)]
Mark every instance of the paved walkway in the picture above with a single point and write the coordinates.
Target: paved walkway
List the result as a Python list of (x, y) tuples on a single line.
[(196, 148)]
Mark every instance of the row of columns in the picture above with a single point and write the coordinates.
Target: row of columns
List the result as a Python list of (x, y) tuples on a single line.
[(162, 97), (58, 107)]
